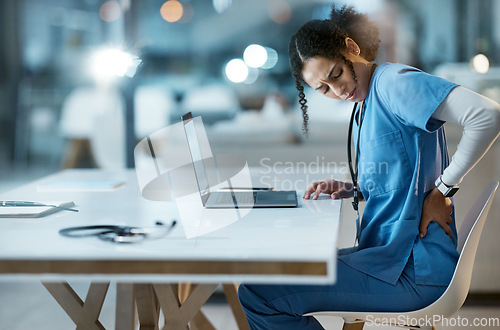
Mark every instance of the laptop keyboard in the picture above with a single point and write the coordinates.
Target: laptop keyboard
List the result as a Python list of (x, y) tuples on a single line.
[(241, 197)]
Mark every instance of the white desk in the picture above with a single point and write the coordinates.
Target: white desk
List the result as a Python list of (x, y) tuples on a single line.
[(295, 245)]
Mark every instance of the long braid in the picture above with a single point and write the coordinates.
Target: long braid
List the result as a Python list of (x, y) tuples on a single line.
[(303, 107)]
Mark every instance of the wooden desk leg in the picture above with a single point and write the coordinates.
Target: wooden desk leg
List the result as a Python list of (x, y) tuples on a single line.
[(231, 292), (184, 289), (177, 315), (199, 321), (125, 307), (147, 306), (84, 315), (353, 326)]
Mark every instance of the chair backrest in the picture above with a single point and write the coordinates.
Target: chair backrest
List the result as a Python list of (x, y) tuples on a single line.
[(472, 217), (468, 239)]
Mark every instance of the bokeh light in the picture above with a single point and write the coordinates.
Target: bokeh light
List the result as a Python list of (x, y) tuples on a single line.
[(221, 6), (253, 75), (237, 70), (480, 63), (279, 11), (255, 56), (110, 11), (171, 11), (108, 63), (187, 13), (272, 59)]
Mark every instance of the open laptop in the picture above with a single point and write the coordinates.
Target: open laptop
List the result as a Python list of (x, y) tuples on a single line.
[(229, 199)]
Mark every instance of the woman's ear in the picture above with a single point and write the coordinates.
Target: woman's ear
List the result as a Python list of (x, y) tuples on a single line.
[(352, 46)]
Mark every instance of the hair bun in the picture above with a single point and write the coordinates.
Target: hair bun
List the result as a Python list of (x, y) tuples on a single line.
[(359, 28)]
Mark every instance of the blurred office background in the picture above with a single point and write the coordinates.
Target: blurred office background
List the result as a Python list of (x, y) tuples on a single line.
[(81, 81)]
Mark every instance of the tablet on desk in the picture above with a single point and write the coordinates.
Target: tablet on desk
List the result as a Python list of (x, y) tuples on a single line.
[(37, 210)]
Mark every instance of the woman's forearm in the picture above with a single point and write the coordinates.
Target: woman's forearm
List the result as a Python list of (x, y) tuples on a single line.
[(480, 118)]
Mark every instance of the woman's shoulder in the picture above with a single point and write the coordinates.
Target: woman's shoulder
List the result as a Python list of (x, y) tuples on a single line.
[(398, 75), (394, 69)]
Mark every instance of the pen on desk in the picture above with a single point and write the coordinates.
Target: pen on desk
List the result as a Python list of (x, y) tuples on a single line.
[(25, 203)]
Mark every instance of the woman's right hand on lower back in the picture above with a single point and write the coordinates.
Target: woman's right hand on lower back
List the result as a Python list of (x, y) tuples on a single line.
[(336, 189)]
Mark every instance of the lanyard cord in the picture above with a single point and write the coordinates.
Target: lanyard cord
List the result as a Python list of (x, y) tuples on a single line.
[(354, 173)]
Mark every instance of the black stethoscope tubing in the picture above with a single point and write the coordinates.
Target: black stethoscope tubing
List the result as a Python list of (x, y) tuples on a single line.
[(354, 172), (118, 234)]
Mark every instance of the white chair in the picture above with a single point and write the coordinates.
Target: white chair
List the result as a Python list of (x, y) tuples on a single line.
[(209, 99), (94, 116), (153, 105), (454, 296)]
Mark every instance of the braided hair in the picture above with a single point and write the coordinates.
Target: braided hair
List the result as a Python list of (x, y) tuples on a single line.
[(326, 38)]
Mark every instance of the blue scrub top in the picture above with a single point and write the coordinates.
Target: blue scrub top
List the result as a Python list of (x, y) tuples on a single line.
[(402, 152)]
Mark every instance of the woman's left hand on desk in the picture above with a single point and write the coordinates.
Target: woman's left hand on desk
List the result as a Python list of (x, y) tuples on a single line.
[(436, 208), (336, 189)]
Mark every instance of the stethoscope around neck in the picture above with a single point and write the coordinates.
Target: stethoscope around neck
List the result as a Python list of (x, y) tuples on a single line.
[(353, 169)]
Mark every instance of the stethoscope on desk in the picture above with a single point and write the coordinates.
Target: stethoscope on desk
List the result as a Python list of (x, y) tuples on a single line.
[(119, 234)]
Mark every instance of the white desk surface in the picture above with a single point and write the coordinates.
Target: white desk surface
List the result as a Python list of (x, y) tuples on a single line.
[(295, 245)]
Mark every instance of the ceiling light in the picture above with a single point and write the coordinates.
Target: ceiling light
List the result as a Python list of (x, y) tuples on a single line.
[(236, 70), (480, 63), (255, 56)]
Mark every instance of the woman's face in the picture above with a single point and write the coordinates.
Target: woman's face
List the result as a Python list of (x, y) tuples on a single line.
[(334, 79)]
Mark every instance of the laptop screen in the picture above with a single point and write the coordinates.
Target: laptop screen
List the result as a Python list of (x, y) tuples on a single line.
[(196, 156)]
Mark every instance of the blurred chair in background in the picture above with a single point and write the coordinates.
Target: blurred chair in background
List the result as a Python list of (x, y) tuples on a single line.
[(269, 125), (153, 106), (93, 121), (214, 102), (85, 113)]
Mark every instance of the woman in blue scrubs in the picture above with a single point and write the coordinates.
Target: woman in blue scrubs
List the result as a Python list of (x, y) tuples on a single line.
[(406, 252)]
